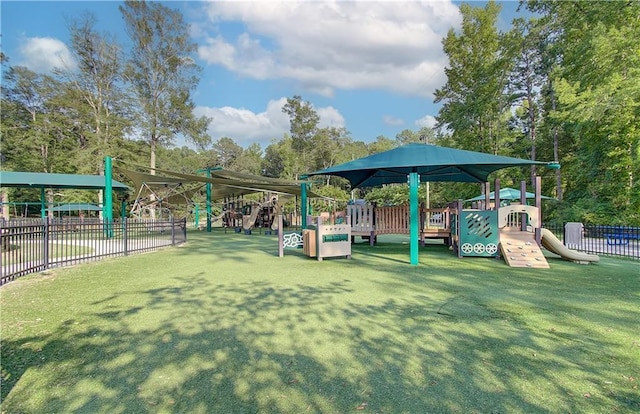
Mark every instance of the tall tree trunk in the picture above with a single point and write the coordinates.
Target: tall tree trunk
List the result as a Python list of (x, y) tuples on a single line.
[(532, 131), (556, 156), (152, 197), (154, 146)]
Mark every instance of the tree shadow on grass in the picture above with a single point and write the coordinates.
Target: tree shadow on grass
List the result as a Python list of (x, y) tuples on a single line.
[(433, 341)]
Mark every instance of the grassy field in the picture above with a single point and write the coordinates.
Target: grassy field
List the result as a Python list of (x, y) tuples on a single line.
[(222, 325)]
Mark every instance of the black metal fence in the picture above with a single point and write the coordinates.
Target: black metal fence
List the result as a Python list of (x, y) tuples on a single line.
[(34, 245), (623, 241)]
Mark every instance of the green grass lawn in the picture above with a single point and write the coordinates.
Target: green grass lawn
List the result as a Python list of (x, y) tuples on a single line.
[(222, 325)]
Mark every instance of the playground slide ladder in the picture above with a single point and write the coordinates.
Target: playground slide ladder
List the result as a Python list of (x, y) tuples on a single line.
[(519, 249)]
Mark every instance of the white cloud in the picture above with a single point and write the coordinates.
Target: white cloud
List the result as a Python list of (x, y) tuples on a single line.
[(392, 120), (329, 117), (42, 54), (246, 127), (391, 45), (426, 121)]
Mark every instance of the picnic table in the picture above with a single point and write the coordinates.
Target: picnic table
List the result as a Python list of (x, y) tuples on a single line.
[(621, 234)]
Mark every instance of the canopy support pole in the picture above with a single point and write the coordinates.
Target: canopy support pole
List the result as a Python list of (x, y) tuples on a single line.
[(538, 188), (414, 182), (43, 206), (208, 190), (108, 196), (208, 187), (303, 202)]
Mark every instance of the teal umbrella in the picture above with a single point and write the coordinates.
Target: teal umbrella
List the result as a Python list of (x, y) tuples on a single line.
[(507, 194), (430, 162)]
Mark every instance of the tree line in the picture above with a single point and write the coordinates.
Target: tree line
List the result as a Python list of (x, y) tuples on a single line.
[(562, 85)]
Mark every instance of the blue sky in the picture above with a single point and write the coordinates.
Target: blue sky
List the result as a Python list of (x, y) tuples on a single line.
[(368, 66)]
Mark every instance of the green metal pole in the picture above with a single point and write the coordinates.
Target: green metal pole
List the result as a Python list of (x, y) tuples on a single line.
[(208, 188), (414, 181), (108, 195), (303, 203), (208, 202), (43, 206)]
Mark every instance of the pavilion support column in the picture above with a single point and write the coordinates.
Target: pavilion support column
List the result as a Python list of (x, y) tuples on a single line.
[(208, 187), (538, 188), (486, 189), (523, 201), (414, 182), (43, 205), (303, 203), (108, 197)]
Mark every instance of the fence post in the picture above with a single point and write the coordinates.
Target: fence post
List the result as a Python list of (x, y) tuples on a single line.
[(173, 231), (125, 239), (45, 238), (280, 236), (184, 230)]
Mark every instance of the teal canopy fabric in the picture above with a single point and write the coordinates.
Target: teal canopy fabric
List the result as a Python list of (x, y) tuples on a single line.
[(431, 162), (49, 180), (66, 208), (507, 194)]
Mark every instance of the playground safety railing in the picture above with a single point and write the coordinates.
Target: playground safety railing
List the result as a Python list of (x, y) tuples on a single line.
[(621, 241), (34, 245)]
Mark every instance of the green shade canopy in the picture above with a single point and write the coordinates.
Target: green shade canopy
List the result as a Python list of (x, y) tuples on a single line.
[(225, 183), (75, 207), (49, 180), (507, 194), (430, 162)]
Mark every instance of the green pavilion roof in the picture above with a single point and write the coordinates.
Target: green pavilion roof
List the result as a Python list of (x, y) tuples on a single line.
[(50, 180)]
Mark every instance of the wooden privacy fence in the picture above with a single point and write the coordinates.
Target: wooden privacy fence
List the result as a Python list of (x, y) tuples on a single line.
[(392, 220), (369, 221), (34, 245)]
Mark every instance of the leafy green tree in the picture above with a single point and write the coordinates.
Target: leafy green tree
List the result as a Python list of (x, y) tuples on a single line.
[(528, 77), (36, 129), (95, 97), (280, 160), (597, 85), (424, 135), (162, 73), (273, 163), (181, 159), (475, 106), (250, 160), (407, 136), (34, 123), (328, 146), (381, 144), (227, 152), (352, 151), (336, 199), (304, 126)]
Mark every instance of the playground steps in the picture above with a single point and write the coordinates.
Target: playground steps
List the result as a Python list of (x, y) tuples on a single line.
[(519, 249)]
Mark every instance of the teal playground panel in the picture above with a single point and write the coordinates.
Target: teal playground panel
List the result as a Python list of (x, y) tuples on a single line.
[(479, 234)]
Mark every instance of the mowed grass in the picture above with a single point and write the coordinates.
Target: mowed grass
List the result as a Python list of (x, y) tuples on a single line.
[(222, 325)]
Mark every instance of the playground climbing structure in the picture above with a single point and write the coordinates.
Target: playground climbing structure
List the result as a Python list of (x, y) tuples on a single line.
[(508, 231), (264, 211)]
